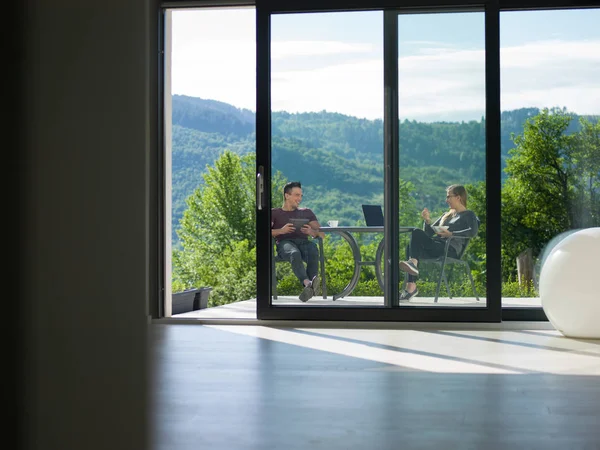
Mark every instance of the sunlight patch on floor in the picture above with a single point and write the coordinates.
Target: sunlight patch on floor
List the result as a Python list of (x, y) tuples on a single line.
[(446, 351)]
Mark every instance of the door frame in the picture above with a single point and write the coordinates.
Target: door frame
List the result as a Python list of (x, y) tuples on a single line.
[(159, 306)]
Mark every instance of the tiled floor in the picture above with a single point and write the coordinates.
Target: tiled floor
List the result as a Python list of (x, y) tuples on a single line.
[(256, 387)]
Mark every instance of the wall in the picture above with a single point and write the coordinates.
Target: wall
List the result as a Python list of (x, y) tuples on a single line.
[(85, 223)]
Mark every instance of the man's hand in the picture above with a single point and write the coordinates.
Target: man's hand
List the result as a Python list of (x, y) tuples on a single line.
[(307, 229), (287, 228)]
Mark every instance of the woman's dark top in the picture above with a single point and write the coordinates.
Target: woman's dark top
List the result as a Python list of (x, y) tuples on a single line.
[(463, 223)]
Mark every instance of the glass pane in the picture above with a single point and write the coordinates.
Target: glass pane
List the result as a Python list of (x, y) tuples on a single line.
[(211, 75), (327, 134), (441, 69), (550, 61)]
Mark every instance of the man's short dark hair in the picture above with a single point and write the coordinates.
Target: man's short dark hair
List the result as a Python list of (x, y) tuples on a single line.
[(289, 186)]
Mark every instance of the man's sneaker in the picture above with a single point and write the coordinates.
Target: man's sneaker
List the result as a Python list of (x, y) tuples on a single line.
[(316, 285), (405, 296), (409, 267), (307, 293)]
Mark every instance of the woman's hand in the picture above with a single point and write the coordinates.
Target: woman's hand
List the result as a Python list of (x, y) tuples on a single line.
[(425, 215), (444, 233)]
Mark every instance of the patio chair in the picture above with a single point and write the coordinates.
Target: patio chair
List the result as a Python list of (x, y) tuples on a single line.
[(277, 259), (444, 260)]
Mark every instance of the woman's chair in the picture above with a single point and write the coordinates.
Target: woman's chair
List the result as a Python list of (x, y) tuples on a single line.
[(444, 260), (276, 259)]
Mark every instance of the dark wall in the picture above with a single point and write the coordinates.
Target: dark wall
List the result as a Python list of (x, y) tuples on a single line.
[(84, 223)]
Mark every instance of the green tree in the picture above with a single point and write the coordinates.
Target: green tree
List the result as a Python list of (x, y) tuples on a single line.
[(218, 231), (537, 199), (552, 185), (477, 252), (587, 181)]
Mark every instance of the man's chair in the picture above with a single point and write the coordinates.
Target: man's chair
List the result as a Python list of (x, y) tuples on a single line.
[(276, 259), (444, 260)]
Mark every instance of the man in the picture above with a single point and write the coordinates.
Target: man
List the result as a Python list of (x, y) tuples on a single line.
[(293, 244)]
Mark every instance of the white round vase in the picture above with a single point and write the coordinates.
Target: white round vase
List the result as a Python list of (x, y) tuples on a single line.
[(570, 285)]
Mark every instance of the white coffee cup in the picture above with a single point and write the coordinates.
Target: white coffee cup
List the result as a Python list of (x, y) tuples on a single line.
[(332, 223)]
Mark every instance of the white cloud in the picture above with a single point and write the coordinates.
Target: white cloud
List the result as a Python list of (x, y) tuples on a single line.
[(449, 84), (290, 49), (217, 61), (552, 73), (203, 71), (214, 55), (446, 84), (428, 43), (550, 53), (354, 89)]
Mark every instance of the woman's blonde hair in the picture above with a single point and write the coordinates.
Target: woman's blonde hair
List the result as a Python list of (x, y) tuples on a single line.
[(459, 191)]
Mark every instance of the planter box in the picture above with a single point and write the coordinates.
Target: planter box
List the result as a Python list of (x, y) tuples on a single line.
[(190, 300)]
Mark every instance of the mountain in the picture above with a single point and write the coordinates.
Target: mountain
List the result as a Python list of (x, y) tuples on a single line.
[(211, 116), (338, 158)]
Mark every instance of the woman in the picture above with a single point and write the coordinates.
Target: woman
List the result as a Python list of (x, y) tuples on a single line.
[(426, 243)]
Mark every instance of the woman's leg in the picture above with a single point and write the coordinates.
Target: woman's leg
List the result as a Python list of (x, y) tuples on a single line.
[(421, 246)]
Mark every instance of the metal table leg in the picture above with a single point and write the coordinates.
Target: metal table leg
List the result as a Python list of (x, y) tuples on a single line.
[(357, 264), (378, 258)]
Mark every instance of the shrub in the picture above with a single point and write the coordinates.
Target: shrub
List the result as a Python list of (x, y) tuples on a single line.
[(515, 289)]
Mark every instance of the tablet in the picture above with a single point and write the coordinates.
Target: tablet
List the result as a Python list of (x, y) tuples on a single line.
[(299, 223)]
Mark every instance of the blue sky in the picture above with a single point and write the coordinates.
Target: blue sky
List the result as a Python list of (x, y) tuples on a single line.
[(334, 61)]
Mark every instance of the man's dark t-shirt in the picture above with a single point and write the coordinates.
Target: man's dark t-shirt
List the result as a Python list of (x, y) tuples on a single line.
[(280, 217)]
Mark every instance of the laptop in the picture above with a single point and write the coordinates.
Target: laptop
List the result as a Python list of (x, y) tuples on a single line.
[(373, 215)]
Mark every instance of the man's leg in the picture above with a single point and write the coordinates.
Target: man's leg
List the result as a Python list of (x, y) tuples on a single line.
[(288, 251), (310, 254)]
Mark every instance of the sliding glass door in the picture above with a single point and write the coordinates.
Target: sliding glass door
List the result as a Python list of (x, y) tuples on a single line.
[(380, 120), (327, 140), (442, 158)]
